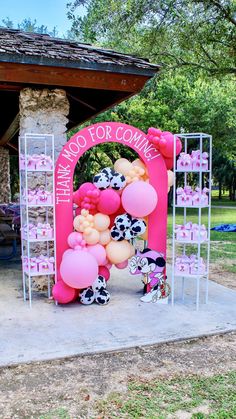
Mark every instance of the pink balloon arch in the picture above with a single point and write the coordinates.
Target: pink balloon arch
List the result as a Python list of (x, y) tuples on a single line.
[(64, 173)]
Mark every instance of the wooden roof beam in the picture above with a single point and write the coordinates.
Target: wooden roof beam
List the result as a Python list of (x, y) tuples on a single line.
[(70, 77), (11, 131)]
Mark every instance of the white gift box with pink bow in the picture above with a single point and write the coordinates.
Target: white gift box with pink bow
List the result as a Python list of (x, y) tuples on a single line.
[(200, 198), (44, 163), (45, 264), (184, 162), (185, 265), (183, 232), (44, 231), (198, 267), (199, 232), (184, 196), (199, 160)]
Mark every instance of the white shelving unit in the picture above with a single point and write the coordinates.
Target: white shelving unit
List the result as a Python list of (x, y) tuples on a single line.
[(45, 146), (190, 142)]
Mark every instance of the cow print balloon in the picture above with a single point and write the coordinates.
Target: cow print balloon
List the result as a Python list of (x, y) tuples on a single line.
[(117, 234), (99, 283), (109, 172), (138, 227), (123, 221), (118, 181), (101, 181), (87, 296), (102, 297)]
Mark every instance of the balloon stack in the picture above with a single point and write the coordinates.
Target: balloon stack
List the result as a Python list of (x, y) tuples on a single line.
[(110, 212), (109, 215), (164, 143)]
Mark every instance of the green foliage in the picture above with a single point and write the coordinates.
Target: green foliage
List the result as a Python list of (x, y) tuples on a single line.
[(198, 34), (29, 25)]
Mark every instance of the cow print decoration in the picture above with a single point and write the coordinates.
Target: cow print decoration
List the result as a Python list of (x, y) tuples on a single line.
[(118, 181), (127, 227), (99, 283), (101, 181), (87, 296), (96, 293), (102, 297), (108, 178)]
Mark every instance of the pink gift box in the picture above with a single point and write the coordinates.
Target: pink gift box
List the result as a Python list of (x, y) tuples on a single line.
[(184, 200), (199, 234), (44, 197), (44, 163), (32, 197), (32, 232), (182, 233), (45, 265), (44, 231), (200, 199), (184, 162), (181, 268), (30, 265), (197, 269)]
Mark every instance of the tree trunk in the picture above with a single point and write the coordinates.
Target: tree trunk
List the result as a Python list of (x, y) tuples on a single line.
[(220, 189)]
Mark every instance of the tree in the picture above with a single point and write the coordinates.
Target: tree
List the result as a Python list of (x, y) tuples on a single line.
[(29, 25), (198, 34)]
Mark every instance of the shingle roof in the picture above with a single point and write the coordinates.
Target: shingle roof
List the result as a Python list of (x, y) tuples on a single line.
[(27, 47)]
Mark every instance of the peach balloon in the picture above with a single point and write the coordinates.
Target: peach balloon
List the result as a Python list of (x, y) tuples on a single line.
[(118, 252), (170, 178), (123, 166), (101, 221), (105, 237), (93, 236)]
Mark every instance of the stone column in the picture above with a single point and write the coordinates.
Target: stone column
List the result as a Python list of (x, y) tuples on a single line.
[(5, 190), (43, 111)]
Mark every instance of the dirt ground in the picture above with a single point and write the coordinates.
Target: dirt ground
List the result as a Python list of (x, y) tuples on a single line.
[(37, 390)]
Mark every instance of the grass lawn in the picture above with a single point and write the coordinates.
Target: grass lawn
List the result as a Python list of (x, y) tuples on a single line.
[(209, 397), (223, 245), (222, 202)]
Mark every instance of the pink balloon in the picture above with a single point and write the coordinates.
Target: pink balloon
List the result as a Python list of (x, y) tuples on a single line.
[(104, 271), (169, 163), (67, 252), (63, 294), (98, 251), (108, 265), (85, 188), (139, 199), (74, 239), (78, 211), (122, 265), (76, 197), (109, 202), (166, 144), (79, 269)]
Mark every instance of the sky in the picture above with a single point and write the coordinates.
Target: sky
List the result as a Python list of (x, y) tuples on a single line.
[(47, 12)]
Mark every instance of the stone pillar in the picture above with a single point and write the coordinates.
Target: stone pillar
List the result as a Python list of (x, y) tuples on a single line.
[(43, 112), (5, 190)]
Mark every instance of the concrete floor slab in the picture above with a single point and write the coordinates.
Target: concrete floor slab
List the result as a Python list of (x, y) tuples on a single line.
[(47, 331)]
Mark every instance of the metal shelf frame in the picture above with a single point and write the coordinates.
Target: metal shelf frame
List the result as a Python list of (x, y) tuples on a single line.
[(202, 142), (45, 144)]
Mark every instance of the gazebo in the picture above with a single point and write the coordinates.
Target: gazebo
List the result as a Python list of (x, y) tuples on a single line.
[(52, 85)]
